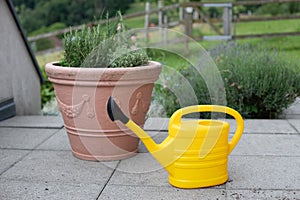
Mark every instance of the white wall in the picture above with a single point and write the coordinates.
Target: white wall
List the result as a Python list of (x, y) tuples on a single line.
[(18, 77)]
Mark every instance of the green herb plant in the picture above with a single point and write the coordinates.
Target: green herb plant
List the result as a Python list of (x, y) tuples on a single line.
[(107, 44)]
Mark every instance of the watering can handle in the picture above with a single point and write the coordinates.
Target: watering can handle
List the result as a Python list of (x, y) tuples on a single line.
[(176, 118)]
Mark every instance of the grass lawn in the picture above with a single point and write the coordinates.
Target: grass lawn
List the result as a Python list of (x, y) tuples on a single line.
[(288, 47), (137, 22), (137, 7), (274, 26), (50, 57)]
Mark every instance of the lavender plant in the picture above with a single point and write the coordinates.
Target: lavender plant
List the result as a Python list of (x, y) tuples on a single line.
[(107, 44), (259, 83)]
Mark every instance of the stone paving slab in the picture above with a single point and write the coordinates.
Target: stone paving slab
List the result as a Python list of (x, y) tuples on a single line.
[(24, 190), (262, 194), (23, 138), (141, 169), (268, 144), (139, 164), (59, 166), (269, 126), (295, 123), (157, 124), (264, 172), (59, 141), (265, 126), (293, 116), (35, 121), (157, 136), (8, 157), (120, 192)]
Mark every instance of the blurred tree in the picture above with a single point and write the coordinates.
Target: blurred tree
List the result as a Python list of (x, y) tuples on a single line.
[(294, 7), (27, 3), (35, 14), (273, 8), (114, 5), (279, 9)]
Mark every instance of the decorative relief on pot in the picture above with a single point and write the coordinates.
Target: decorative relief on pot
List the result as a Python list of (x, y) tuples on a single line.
[(139, 101), (74, 111)]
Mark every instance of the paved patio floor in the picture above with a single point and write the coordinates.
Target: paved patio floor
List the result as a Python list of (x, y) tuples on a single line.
[(36, 163)]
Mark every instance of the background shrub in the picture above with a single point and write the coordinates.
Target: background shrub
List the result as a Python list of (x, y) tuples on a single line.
[(258, 82)]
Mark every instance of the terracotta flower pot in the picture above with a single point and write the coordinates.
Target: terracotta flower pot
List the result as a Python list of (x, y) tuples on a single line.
[(82, 95)]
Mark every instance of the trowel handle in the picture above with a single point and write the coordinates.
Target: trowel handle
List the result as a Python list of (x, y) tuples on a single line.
[(176, 118)]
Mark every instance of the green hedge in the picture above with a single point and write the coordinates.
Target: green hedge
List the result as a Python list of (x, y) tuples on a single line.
[(258, 82)]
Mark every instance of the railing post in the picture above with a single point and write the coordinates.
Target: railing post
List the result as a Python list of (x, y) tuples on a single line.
[(166, 29), (234, 25), (147, 10), (180, 14), (188, 22), (227, 18), (196, 15), (160, 20)]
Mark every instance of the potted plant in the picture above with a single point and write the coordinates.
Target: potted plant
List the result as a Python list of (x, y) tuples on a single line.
[(99, 62)]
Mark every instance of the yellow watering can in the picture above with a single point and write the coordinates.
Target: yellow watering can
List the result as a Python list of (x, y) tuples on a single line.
[(195, 153)]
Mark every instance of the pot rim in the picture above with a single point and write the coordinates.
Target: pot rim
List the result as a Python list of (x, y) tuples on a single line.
[(55, 64), (86, 76)]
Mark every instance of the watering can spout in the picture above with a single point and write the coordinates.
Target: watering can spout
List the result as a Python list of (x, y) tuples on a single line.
[(115, 113)]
